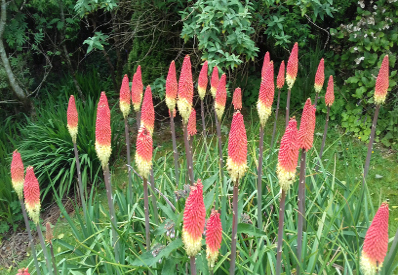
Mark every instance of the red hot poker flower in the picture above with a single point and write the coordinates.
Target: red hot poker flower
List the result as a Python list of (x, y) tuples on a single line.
[(280, 81), (221, 97), (329, 96), (192, 124), (382, 82), (320, 76), (72, 118), (237, 148), (17, 174), (185, 90), (202, 81), (214, 81), (32, 195), (213, 238), (292, 66), (171, 87), (143, 156), (23, 271), (148, 111), (136, 89), (103, 131), (307, 126), (237, 99), (267, 59), (125, 97), (375, 245), (194, 220), (288, 156), (266, 94)]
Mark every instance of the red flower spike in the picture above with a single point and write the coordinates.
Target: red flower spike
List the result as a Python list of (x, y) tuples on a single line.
[(194, 220), (192, 124), (202, 81), (307, 126), (136, 89), (375, 245), (17, 173), (329, 96), (23, 271), (237, 148), (266, 95), (32, 195), (292, 66), (320, 76), (280, 81), (237, 99), (171, 86), (124, 102), (221, 97), (288, 156), (103, 131), (382, 82), (185, 90), (213, 238), (267, 59), (148, 111), (72, 118), (143, 156), (214, 81)]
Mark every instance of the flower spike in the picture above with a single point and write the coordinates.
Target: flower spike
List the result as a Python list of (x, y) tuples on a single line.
[(307, 126), (143, 156), (266, 62), (213, 238), (72, 118), (288, 156), (237, 99), (266, 95), (171, 86), (382, 82), (237, 148), (32, 195), (280, 81), (17, 174), (221, 97), (125, 97), (329, 96), (185, 90), (103, 131), (148, 111), (192, 123), (292, 66), (214, 81), (376, 242), (136, 89), (202, 81), (194, 219), (320, 76)]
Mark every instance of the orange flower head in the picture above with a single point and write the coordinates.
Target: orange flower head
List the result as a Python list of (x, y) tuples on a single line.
[(103, 131), (382, 82), (266, 95), (237, 148), (292, 66), (288, 156), (49, 232), (213, 238), (143, 155), (124, 102), (31, 192), (148, 111), (192, 124), (307, 126), (267, 59), (214, 81), (375, 245), (17, 174), (237, 99), (171, 86), (185, 90), (136, 89), (194, 220), (202, 81), (72, 118), (280, 81), (320, 76), (221, 97), (329, 96)]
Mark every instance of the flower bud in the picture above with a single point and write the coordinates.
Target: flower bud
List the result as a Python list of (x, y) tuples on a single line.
[(192, 124), (171, 87), (237, 99), (292, 66), (202, 81), (185, 90), (103, 131), (72, 118), (124, 102), (320, 76), (213, 238), (221, 97), (136, 89), (214, 81), (266, 62), (329, 96), (280, 81), (32, 195), (143, 156), (266, 95), (17, 174), (382, 82), (307, 126), (148, 111)]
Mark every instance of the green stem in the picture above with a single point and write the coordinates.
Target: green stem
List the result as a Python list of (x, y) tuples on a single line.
[(221, 165), (234, 227), (287, 107), (202, 111), (280, 233), (175, 152), (259, 179), (130, 188), (193, 265), (316, 99), (43, 246), (146, 210), (153, 198), (276, 117), (79, 180), (301, 208), (188, 155), (53, 258)]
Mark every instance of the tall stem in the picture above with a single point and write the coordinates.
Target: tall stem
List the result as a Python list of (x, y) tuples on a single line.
[(234, 227), (259, 179), (43, 246), (138, 118), (53, 258), (316, 99), (276, 117), (193, 265), (287, 107), (325, 132), (280, 233), (175, 152), (153, 198), (188, 155), (111, 211), (31, 242), (301, 208), (370, 146), (79, 179), (126, 129), (146, 209), (221, 165), (202, 112)]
